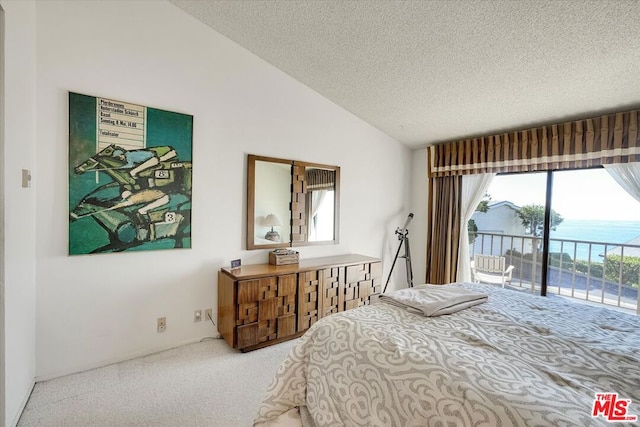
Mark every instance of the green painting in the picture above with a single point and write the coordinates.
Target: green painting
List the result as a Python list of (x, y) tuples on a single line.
[(130, 171)]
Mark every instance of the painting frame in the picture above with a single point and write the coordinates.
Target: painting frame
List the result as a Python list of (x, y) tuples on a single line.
[(130, 176)]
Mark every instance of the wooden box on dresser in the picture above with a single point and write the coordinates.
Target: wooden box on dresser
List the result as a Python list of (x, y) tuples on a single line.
[(263, 304)]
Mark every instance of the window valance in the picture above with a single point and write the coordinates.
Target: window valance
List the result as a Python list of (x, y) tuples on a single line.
[(320, 179), (584, 143)]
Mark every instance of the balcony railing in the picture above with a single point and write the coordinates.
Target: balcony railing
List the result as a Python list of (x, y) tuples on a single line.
[(598, 272)]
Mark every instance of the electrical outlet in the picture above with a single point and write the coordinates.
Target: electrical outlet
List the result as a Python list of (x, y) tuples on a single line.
[(162, 324), (197, 315), (208, 314), (26, 178)]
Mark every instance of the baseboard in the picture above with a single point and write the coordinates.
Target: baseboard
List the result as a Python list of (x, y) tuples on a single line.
[(115, 360), (14, 423)]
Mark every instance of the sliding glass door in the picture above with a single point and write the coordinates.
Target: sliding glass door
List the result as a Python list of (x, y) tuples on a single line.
[(595, 252), (574, 233), (510, 224)]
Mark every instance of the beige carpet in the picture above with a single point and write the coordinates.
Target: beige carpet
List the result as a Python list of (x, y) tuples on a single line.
[(203, 384)]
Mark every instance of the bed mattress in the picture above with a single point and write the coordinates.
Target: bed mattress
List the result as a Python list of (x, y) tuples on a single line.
[(515, 360)]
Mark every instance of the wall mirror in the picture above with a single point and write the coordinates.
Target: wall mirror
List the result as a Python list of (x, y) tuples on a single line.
[(291, 203)]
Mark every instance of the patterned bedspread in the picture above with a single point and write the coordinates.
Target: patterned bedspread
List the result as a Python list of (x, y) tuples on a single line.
[(516, 360)]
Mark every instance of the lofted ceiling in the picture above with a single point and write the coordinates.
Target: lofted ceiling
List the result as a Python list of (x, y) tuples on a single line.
[(432, 71)]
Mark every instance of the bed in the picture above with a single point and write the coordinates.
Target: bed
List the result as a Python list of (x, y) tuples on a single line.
[(514, 360)]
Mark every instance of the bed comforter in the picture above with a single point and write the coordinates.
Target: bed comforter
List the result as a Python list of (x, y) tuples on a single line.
[(516, 360)]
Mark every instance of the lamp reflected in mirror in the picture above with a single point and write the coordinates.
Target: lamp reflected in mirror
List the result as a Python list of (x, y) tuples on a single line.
[(272, 221)]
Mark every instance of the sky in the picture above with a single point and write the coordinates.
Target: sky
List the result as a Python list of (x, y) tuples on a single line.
[(583, 194)]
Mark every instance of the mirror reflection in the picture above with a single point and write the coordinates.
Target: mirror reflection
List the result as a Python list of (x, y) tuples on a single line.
[(272, 198), (320, 200), (291, 203)]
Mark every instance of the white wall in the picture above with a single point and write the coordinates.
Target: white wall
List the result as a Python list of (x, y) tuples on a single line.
[(2, 240), (98, 309), (418, 226), (19, 206)]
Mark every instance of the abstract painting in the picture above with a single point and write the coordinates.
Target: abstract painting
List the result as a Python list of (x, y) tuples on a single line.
[(130, 170)]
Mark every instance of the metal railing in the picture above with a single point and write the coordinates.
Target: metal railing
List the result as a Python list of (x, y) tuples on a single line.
[(598, 272)]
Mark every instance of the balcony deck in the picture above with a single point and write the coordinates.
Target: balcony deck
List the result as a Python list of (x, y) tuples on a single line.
[(593, 286)]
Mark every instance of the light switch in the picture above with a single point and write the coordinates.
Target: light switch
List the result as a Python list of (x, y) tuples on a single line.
[(26, 178)]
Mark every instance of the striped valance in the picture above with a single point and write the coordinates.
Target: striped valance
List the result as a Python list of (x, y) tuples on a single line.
[(320, 179), (585, 143)]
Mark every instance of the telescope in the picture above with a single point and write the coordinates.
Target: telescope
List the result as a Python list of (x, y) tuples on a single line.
[(403, 237), (404, 227)]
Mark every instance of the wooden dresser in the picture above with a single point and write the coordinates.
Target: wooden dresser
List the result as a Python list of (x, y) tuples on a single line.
[(263, 304)]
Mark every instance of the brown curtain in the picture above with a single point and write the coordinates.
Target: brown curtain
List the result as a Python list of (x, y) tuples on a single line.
[(607, 139), (320, 179), (443, 231)]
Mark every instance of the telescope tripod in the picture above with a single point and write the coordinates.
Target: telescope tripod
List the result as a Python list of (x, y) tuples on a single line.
[(403, 236)]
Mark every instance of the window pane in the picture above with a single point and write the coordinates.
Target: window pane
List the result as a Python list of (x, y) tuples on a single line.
[(595, 250), (513, 226)]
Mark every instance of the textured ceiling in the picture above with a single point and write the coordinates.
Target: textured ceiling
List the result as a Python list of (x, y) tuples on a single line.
[(433, 71)]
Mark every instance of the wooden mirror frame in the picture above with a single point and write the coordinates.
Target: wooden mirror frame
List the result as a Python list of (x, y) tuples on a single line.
[(297, 190)]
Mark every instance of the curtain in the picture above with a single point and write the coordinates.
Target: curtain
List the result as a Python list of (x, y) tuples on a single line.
[(600, 141), (443, 231), (603, 140), (474, 188), (628, 176), (320, 179), (317, 197)]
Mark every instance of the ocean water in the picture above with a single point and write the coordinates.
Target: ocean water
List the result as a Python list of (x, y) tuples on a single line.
[(610, 232)]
